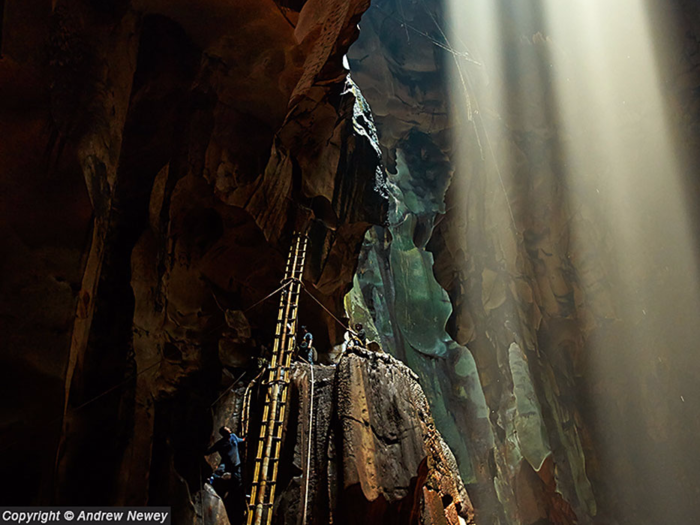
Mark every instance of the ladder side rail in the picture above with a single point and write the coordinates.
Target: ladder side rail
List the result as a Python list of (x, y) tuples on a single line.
[(276, 347), (272, 428), (265, 443), (288, 357)]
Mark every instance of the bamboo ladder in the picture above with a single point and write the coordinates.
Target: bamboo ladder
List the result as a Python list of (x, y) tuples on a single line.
[(267, 459)]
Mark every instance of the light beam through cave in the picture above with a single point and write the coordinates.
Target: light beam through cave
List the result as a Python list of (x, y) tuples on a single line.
[(586, 177)]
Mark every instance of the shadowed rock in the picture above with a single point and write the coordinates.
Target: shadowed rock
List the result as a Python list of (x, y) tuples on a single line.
[(376, 457)]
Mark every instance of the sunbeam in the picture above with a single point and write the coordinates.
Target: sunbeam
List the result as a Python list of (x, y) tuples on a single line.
[(588, 161)]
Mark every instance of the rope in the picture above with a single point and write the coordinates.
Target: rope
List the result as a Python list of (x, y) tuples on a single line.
[(230, 389), (447, 47), (465, 79), (246, 402), (284, 285), (403, 17), (308, 452), (326, 309), (133, 376), (119, 385), (213, 329)]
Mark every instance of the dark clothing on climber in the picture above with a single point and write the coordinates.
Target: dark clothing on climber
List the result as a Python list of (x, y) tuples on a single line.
[(307, 343), (227, 447), (229, 486), (218, 474), (220, 479), (227, 478), (361, 334)]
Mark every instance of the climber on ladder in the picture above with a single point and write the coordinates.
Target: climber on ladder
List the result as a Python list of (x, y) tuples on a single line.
[(306, 347), (230, 468)]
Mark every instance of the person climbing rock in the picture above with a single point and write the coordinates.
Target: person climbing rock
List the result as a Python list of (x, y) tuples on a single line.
[(229, 471), (227, 447), (306, 348), (361, 334), (355, 337)]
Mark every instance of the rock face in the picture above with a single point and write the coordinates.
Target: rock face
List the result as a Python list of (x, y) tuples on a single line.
[(159, 156), (499, 279), (376, 457), (208, 507), (396, 293)]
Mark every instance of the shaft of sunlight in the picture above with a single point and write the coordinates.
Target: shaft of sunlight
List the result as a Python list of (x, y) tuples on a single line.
[(577, 142)]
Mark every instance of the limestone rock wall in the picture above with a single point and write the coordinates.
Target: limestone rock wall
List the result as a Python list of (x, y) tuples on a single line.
[(158, 157), (498, 278), (376, 456)]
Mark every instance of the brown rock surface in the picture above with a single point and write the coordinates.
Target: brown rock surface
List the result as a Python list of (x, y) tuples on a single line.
[(158, 157), (564, 360), (376, 457)]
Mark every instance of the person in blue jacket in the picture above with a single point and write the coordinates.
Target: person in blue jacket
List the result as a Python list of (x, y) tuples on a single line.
[(227, 447), (306, 347), (230, 467)]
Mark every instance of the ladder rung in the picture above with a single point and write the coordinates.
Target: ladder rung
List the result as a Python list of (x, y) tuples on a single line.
[(282, 381), (273, 421), (257, 484), (269, 459)]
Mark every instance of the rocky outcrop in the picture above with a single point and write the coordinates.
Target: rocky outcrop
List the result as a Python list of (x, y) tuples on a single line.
[(162, 154), (544, 305), (207, 508), (402, 68), (375, 454)]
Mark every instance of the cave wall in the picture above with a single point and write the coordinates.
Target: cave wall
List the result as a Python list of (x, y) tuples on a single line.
[(499, 280), (159, 157), (371, 446)]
